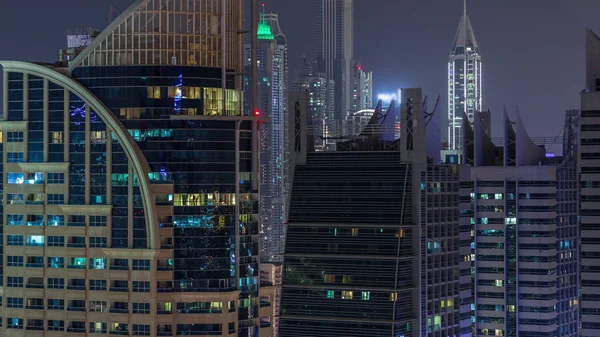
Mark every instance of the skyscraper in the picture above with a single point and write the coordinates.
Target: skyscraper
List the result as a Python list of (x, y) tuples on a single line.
[(321, 101), (519, 209), (130, 202), (383, 229), (464, 85), (335, 55), (272, 96), (589, 169)]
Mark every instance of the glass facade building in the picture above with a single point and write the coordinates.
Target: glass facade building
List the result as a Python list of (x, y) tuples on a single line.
[(372, 247), (131, 182)]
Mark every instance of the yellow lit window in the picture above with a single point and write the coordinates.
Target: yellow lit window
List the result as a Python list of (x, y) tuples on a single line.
[(393, 297), (499, 283), (511, 308), (347, 295), (499, 332), (56, 137), (154, 92), (442, 304), (450, 303), (354, 231), (346, 279)]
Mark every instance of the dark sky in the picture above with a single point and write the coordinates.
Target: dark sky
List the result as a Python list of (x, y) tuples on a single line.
[(533, 50)]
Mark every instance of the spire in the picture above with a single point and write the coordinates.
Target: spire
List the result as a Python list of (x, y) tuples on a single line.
[(465, 37)]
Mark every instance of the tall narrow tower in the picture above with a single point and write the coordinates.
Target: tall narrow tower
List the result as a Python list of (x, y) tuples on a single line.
[(464, 85), (335, 54)]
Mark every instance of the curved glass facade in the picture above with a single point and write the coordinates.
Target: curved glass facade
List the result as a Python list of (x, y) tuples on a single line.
[(140, 179)]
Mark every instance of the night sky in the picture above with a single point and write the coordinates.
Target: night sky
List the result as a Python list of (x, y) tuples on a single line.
[(532, 51)]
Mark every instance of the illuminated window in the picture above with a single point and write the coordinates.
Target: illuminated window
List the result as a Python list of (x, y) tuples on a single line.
[(499, 332), (56, 137), (330, 294), (450, 303), (77, 262), (347, 295), (354, 231), (329, 278), (97, 263), (442, 304), (499, 283), (484, 196), (346, 279), (15, 178), (366, 295), (35, 240), (498, 196), (154, 92), (484, 221), (393, 297), (98, 137), (511, 308), (511, 221)]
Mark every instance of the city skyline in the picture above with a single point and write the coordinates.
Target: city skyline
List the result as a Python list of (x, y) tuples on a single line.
[(560, 24)]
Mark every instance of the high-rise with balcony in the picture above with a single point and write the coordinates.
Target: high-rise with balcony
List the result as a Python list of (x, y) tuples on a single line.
[(130, 179), (589, 169), (464, 86), (519, 234), (272, 97)]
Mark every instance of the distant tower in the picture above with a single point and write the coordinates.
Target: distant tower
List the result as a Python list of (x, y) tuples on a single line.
[(272, 94), (335, 55), (464, 84)]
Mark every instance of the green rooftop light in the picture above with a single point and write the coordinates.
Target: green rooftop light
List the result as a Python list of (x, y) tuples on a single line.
[(264, 30)]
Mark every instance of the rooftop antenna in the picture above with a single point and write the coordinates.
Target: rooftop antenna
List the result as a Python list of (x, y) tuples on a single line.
[(465, 22)]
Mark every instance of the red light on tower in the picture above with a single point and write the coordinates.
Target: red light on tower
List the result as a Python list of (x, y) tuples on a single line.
[(256, 113)]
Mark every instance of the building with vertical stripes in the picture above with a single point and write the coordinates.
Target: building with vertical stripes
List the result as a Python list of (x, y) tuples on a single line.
[(130, 182)]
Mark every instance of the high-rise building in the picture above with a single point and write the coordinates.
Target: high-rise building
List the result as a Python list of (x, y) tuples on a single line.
[(589, 169), (361, 89), (321, 101), (383, 229), (519, 235), (335, 55), (130, 182), (271, 275), (464, 85), (272, 96)]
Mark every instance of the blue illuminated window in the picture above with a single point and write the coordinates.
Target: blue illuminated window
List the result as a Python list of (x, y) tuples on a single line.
[(35, 240), (15, 177), (15, 219), (97, 263), (56, 220), (56, 262)]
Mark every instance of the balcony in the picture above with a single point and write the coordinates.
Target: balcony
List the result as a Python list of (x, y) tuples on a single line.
[(35, 307), (119, 289), (76, 224), (75, 287), (38, 328), (164, 333), (76, 330), (69, 308), (35, 286), (34, 265), (76, 245), (119, 311), (112, 267), (119, 332), (164, 312)]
